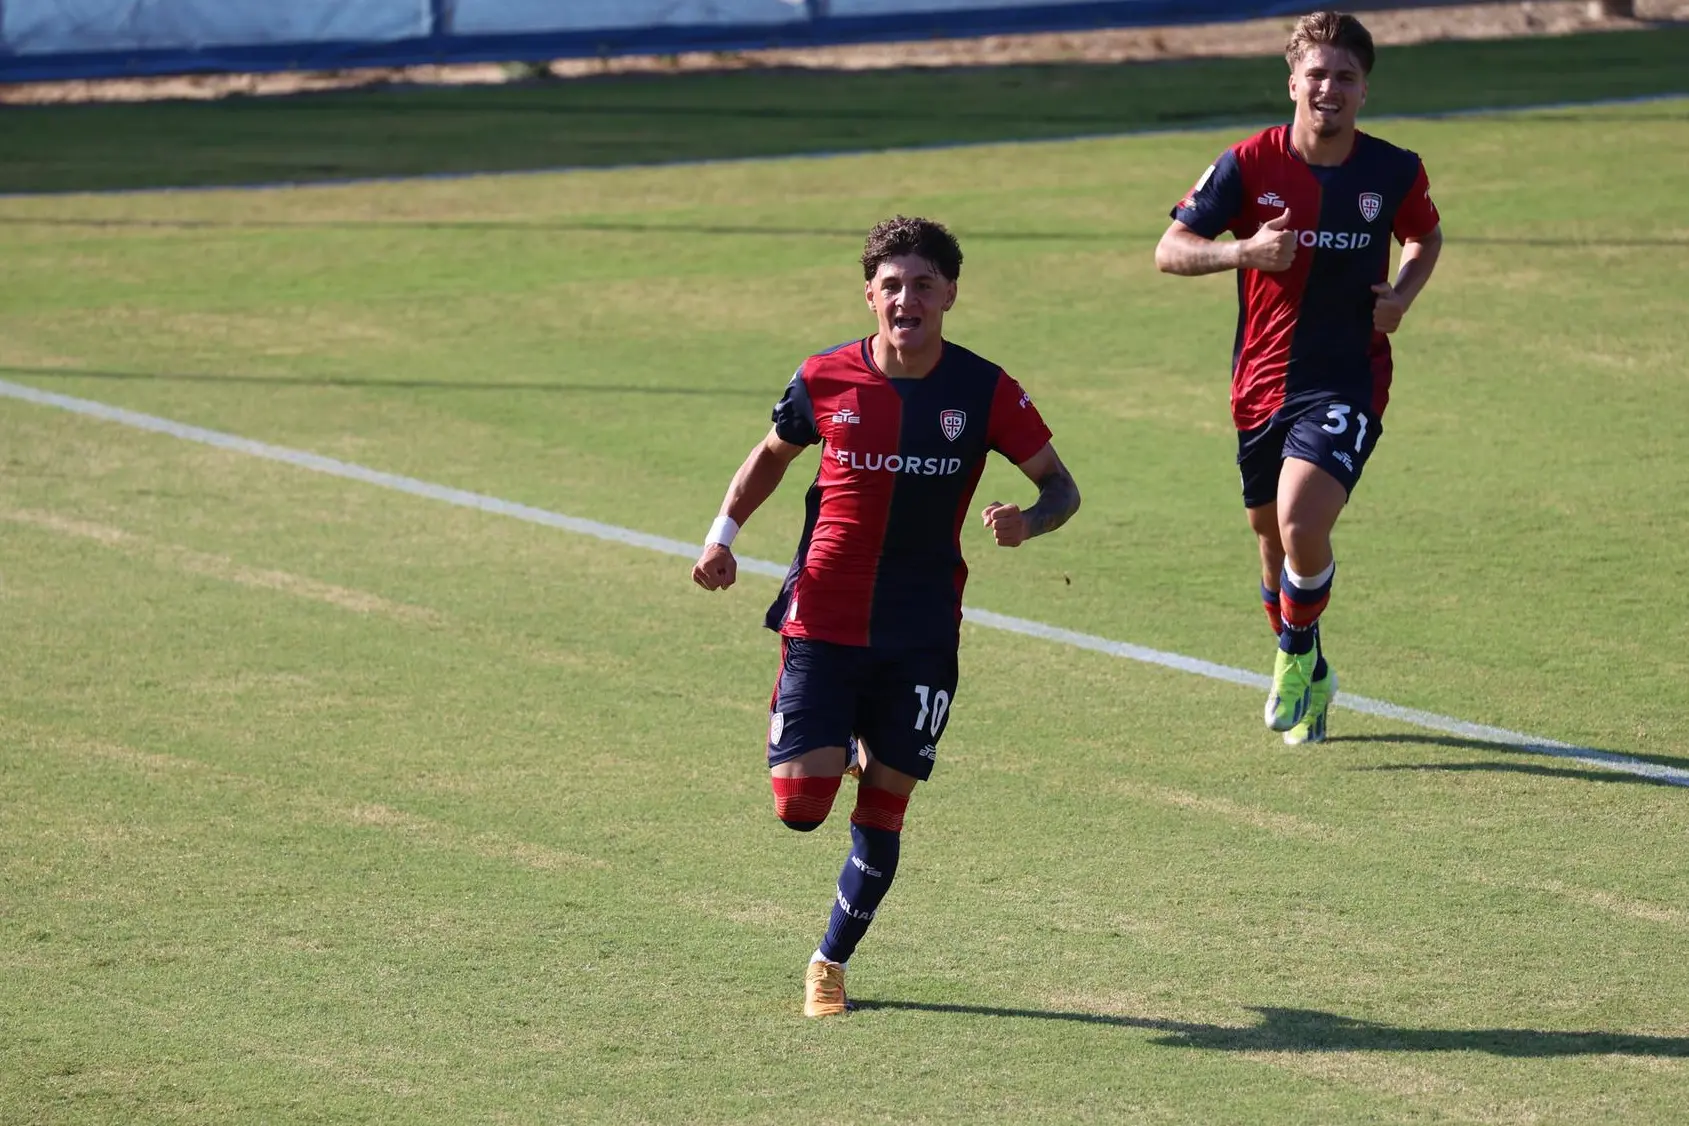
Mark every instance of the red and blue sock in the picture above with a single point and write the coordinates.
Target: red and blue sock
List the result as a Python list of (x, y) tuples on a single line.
[(1269, 603), (1302, 599)]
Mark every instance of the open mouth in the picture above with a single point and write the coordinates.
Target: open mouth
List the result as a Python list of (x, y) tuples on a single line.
[(906, 322), (1329, 108)]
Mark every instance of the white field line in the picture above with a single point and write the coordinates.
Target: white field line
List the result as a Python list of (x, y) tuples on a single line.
[(987, 618)]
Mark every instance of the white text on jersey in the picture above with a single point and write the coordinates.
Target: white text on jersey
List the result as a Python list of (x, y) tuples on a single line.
[(896, 463), (1335, 240)]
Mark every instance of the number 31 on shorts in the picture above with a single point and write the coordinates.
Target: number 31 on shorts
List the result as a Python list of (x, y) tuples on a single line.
[(1339, 422)]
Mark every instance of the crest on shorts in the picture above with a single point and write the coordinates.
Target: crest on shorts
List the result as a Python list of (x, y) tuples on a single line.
[(1371, 204), (776, 724), (952, 422)]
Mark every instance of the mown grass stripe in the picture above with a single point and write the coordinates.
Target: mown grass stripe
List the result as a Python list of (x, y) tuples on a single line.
[(989, 619)]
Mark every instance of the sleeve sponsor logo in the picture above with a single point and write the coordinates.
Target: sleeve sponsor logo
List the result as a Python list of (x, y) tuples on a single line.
[(1202, 182)]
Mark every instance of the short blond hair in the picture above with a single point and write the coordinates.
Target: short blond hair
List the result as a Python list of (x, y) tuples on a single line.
[(1338, 29)]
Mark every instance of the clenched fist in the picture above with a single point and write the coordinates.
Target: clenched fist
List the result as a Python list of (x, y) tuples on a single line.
[(716, 568), (1007, 524), (1387, 308)]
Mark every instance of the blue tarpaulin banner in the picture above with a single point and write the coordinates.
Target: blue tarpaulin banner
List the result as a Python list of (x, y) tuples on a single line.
[(58, 39), (48, 27)]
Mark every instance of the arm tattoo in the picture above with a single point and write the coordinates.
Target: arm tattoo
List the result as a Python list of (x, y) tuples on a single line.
[(1058, 498), (1193, 256)]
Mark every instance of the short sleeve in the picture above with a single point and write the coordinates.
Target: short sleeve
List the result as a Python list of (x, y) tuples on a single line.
[(794, 414), (1213, 204), (1017, 430), (1417, 216)]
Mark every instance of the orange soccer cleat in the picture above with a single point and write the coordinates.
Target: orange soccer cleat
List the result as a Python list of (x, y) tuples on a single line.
[(823, 990)]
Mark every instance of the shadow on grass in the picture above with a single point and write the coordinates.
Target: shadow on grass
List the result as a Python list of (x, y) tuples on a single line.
[(1567, 773), (1597, 243), (589, 226), (380, 384), (728, 230), (1594, 114), (405, 131), (1309, 1030), (1506, 748)]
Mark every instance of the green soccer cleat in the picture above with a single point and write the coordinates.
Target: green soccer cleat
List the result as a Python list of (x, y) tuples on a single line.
[(1287, 703), (1320, 695)]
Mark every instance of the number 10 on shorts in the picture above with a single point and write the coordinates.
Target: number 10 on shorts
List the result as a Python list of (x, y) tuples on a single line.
[(937, 706)]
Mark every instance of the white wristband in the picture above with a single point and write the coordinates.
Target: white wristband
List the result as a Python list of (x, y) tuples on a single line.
[(722, 531)]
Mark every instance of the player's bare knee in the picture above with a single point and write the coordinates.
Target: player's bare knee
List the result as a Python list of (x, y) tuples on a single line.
[(1304, 529), (802, 803), (1308, 556)]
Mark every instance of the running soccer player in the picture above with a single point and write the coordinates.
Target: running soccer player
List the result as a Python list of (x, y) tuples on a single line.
[(869, 614), (1311, 207)]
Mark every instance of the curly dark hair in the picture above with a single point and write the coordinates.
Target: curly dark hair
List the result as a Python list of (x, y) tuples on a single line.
[(1339, 29), (902, 235)]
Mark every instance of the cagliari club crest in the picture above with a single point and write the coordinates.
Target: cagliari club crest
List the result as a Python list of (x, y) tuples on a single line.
[(1371, 204), (952, 422)]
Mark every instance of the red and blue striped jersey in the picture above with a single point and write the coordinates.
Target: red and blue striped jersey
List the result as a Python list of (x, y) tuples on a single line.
[(1305, 334), (880, 560)]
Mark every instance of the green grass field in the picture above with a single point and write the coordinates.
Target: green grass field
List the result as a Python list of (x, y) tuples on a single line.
[(320, 802)]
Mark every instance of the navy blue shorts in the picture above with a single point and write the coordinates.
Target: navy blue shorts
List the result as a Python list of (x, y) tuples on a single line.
[(1337, 436), (897, 701)]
